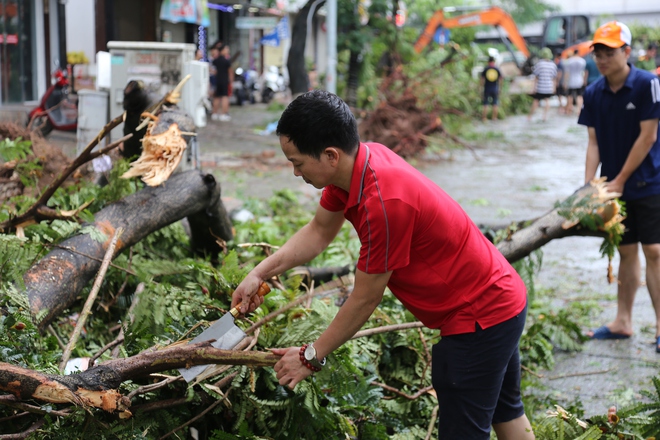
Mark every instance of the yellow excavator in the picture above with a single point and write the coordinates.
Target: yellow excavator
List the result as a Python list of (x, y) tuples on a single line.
[(565, 33)]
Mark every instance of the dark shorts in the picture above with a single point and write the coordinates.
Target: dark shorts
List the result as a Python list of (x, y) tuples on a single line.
[(574, 93), (642, 221), (491, 97), (477, 379), (221, 89), (540, 96), (561, 90)]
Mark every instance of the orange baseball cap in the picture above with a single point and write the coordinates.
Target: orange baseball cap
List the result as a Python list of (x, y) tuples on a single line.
[(613, 34)]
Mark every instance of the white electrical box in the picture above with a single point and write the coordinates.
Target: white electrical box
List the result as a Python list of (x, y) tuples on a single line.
[(196, 91), (92, 116), (159, 65)]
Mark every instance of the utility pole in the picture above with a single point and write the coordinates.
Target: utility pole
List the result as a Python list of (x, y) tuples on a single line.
[(331, 24)]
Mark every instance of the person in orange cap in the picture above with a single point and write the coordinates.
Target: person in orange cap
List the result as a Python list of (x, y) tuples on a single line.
[(621, 112)]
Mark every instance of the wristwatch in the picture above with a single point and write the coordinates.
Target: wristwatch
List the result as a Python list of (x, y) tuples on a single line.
[(310, 356)]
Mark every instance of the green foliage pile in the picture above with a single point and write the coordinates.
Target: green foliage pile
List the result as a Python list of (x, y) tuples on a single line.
[(181, 291)]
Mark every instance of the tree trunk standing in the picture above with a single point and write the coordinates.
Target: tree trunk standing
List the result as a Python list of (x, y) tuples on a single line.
[(53, 284), (354, 67), (298, 78)]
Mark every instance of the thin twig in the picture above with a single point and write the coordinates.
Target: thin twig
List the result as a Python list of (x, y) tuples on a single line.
[(52, 331), (387, 328), (198, 416), (582, 373), (434, 417), (153, 386), (401, 393), (533, 373), (11, 400), (130, 317), (25, 434), (91, 257), (86, 311)]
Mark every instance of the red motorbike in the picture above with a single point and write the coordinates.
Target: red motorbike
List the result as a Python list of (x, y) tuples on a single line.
[(56, 111)]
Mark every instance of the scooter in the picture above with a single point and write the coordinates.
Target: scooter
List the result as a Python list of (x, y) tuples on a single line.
[(242, 87), (273, 82), (56, 111)]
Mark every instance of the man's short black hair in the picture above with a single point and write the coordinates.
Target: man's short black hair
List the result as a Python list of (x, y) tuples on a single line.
[(491, 59), (317, 120), (652, 46)]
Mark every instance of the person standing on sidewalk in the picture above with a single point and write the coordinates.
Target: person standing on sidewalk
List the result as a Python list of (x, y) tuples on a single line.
[(545, 75), (621, 111), (223, 77), (574, 67), (491, 84), (417, 241)]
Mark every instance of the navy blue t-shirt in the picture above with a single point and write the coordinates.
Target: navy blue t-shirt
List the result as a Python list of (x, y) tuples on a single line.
[(491, 76), (616, 118)]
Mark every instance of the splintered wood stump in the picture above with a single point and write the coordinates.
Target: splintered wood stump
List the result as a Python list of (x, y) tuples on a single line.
[(53, 284)]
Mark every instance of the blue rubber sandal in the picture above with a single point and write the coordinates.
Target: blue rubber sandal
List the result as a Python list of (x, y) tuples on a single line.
[(657, 344), (605, 333)]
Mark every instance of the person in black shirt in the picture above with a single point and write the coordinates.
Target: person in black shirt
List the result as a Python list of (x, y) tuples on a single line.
[(491, 81), (222, 80)]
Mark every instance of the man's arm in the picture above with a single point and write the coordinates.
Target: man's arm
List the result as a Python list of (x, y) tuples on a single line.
[(366, 295), (593, 156), (643, 144), (302, 247)]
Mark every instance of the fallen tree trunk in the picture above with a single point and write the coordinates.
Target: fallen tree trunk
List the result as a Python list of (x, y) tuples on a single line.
[(591, 199), (97, 387), (53, 284)]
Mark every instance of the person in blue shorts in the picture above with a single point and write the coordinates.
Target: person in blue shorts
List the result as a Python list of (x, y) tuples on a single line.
[(621, 111), (491, 83)]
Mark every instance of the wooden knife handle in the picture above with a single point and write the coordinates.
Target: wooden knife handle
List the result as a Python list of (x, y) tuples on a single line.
[(264, 290)]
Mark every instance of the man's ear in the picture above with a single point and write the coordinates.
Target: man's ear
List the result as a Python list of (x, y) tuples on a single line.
[(332, 154)]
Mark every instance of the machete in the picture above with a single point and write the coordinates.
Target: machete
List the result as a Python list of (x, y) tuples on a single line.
[(224, 331)]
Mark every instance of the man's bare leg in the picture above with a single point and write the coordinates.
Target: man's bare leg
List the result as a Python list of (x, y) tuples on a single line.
[(516, 429), (494, 116), (652, 254), (629, 277)]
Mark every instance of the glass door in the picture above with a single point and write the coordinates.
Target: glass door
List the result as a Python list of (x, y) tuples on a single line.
[(17, 49)]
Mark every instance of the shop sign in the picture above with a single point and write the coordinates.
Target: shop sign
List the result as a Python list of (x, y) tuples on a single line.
[(256, 22)]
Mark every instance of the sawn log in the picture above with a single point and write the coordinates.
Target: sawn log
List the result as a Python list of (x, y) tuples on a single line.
[(53, 284)]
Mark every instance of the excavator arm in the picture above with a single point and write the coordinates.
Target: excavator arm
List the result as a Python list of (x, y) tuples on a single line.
[(493, 16)]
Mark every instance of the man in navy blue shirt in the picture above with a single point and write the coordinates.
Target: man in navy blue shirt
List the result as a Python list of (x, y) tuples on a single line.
[(621, 111)]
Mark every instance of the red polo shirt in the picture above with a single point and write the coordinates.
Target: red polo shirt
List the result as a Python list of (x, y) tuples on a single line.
[(443, 268)]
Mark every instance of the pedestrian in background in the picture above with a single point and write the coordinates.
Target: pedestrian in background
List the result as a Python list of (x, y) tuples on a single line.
[(491, 84), (224, 76), (647, 61), (621, 111), (545, 76), (592, 70), (574, 68), (562, 90)]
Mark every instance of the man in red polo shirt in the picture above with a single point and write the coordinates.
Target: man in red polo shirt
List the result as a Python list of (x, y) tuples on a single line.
[(420, 243)]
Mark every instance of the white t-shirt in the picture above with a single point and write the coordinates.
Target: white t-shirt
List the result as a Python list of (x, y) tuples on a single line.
[(574, 68)]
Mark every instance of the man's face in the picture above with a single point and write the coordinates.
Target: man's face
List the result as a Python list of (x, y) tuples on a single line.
[(611, 60), (316, 172)]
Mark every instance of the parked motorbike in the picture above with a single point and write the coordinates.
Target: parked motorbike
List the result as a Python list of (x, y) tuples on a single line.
[(56, 110), (243, 87), (272, 82)]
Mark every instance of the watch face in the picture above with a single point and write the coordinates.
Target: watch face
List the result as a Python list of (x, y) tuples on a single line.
[(310, 353)]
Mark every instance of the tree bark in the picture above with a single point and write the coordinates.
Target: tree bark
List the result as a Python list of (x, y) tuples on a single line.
[(295, 64), (97, 387), (53, 284), (552, 225)]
